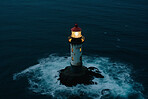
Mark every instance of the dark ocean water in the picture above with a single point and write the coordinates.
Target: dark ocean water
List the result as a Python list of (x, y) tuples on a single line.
[(116, 32)]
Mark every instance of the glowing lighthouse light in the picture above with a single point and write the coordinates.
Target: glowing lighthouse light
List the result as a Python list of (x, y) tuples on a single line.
[(76, 40), (76, 34)]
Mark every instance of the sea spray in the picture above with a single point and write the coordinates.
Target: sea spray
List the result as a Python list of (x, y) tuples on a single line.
[(43, 76)]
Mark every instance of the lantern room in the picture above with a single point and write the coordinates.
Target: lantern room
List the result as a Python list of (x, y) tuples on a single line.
[(76, 32), (76, 36)]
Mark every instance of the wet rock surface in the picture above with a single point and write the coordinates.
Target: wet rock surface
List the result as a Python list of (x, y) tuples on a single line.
[(71, 76)]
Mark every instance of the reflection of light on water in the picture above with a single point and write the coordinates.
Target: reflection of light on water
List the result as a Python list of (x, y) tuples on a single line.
[(43, 78)]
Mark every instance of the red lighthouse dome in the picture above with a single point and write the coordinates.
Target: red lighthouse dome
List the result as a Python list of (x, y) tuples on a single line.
[(76, 28)]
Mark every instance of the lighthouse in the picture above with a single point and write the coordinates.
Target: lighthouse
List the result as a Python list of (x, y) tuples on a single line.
[(76, 40), (76, 73)]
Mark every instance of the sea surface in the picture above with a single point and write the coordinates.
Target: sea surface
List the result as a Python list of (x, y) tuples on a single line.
[(34, 46)]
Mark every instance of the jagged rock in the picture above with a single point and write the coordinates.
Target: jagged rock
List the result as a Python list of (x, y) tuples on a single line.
[(71, 76)]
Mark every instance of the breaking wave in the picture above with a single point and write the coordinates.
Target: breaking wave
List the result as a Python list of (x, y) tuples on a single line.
[(117, 81)]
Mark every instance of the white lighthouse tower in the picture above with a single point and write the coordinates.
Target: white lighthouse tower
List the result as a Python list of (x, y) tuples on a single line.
[(77, 73), (76, 40)]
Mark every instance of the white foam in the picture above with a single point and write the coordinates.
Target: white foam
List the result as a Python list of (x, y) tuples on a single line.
[(43, 78)]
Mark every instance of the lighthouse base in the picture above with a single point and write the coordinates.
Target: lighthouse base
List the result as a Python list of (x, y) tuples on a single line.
[(73, 75)]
